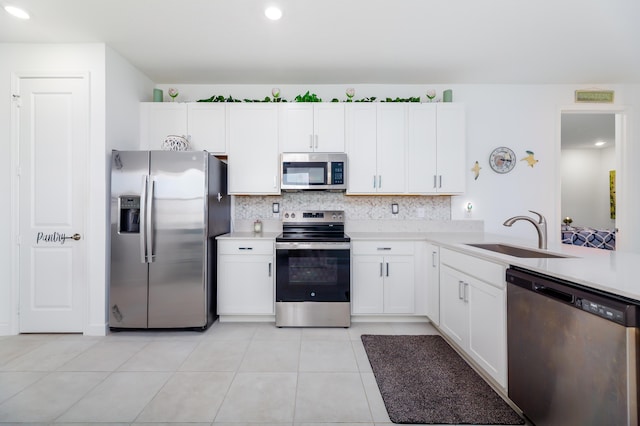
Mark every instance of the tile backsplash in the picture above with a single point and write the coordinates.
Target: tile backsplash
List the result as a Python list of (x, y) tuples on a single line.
[(436, 208), (362, 213)]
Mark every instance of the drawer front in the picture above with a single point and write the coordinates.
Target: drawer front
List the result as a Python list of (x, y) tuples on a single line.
[(245, 247), (490, 272), (382, 248)]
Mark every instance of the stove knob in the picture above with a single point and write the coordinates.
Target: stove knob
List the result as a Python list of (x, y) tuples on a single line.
[(313, 294), (286, 215), (333, 217), (293, 215)]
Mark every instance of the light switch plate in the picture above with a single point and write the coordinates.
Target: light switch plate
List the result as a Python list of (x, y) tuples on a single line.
[(275, 208), (394, 208)]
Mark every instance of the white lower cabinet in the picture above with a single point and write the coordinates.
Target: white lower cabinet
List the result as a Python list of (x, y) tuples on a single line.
[(246, 277), (473, 310), (383, 277), (432, 282)]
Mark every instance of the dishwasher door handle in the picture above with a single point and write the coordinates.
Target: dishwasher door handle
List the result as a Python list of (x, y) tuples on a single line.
[(553, 293)]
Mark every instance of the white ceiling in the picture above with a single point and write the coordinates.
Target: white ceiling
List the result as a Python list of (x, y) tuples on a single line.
[(582, 131), (351, 41)]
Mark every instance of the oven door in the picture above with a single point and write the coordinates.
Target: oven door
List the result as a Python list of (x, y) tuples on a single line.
[(313, 272)]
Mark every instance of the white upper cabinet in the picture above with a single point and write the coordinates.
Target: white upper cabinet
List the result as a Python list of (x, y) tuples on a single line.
[(253, 149), (392, 148), (451, 152), (203, 124), (207, 126), (376, 145), (361, 148), (312, 127), (422, 147), (437, 140)]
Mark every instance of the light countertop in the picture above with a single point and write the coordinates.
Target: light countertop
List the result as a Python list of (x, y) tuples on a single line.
[(249, 236)]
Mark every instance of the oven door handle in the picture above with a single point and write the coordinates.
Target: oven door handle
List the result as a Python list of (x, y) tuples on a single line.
[(315, 245)]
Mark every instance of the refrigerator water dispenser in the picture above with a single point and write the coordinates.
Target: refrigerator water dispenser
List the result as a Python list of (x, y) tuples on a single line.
[(129, 222)]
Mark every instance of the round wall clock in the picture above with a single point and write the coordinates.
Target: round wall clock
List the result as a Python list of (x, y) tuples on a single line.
[(502, 160)]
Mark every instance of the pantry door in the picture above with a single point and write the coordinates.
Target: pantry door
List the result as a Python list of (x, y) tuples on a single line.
[(52, 121)]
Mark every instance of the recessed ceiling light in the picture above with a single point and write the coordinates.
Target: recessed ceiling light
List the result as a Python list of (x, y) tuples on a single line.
[(600, 143), (273, 13), (17, 12)]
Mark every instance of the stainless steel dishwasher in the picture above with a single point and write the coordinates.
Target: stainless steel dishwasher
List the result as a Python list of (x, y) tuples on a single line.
[(572, 352)]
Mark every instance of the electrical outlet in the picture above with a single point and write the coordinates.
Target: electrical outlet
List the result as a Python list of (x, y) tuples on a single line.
[(394, 208)]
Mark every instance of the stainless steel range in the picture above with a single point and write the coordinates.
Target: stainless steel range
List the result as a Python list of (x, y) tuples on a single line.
[(313, 258)]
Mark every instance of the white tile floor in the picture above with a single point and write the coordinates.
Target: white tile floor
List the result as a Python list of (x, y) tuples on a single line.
[(234, 374)]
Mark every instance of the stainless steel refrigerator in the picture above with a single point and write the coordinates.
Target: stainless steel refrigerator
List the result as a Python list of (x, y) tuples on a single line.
[(166, 209)]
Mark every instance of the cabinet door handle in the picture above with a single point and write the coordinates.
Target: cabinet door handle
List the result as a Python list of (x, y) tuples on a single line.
[(466, 292), (379, 181), (433, 259), (440, 181), (387, 268), (269, 268), (275, 181), (374, 181), (316, 141), (381, 268), (461, 290), (435, 180)]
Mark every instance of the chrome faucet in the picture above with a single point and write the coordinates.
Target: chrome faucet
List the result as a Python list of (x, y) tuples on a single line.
[(541, 227)]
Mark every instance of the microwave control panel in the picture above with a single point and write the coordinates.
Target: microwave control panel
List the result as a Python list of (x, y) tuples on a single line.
[(337, 173)]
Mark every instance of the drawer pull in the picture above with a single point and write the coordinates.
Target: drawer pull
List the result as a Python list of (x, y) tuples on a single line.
[(245, 248), (384, 248)]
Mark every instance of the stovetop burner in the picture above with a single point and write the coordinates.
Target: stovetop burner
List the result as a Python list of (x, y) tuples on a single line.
[(316, 225)]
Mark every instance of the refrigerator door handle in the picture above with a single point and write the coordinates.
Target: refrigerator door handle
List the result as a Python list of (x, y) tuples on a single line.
[(149, 220), (143, 220)]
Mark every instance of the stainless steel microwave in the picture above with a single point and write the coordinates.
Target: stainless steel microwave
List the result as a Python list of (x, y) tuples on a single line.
[(314, 171)]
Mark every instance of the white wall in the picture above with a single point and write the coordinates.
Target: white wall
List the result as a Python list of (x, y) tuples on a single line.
[(122, 117), (585, 186)]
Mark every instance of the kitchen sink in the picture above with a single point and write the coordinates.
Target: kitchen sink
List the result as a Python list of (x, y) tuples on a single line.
[(516, 251)]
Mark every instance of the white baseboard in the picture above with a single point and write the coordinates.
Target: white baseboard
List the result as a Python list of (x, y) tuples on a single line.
[(6, 330), (96, 329)]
